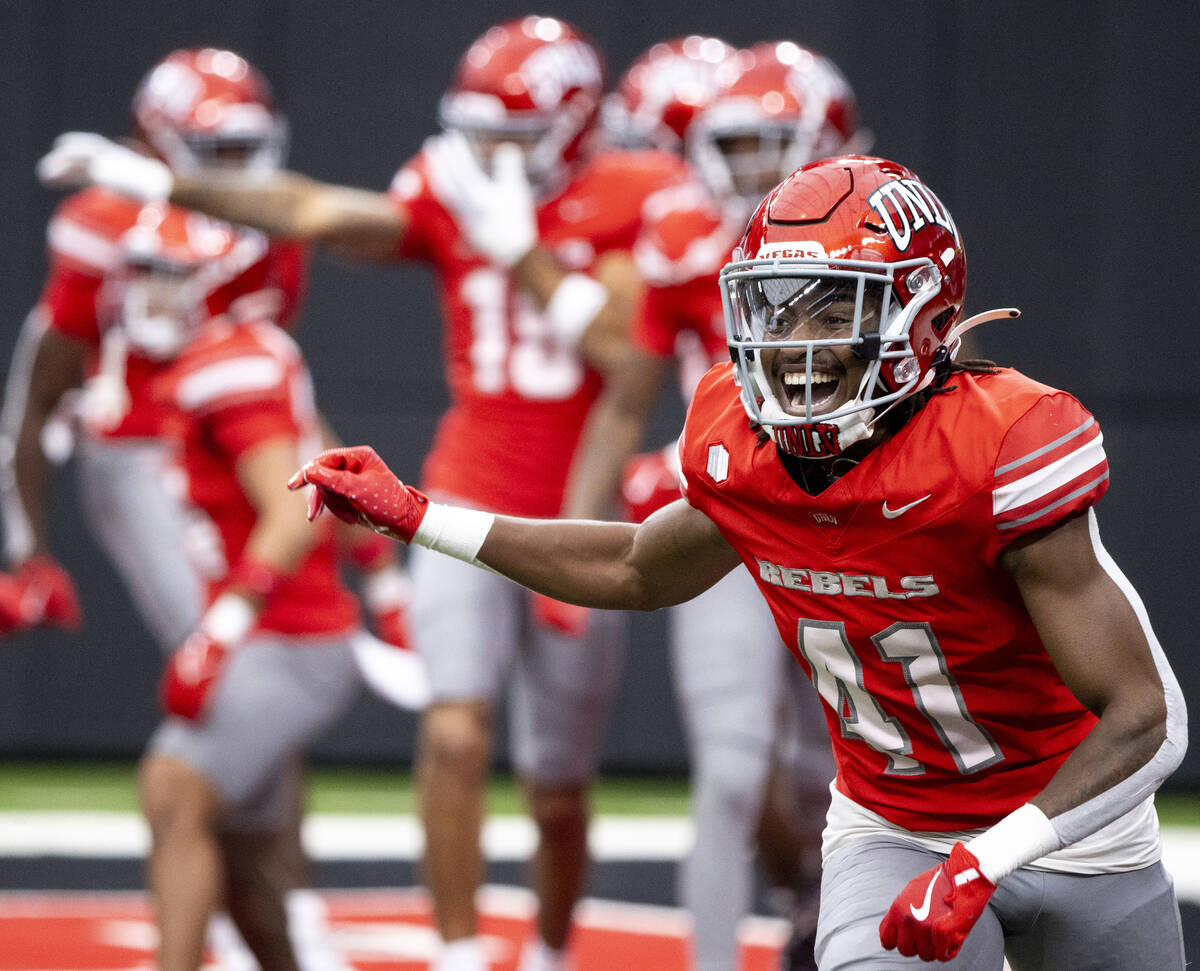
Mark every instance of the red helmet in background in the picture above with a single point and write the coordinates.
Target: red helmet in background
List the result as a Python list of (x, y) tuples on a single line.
[(209, 109), (536, 82), (662, 92), (786, 107), (177, 267), (868, 221)]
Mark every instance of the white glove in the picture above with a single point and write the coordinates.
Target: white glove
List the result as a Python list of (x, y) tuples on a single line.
[(82, 158), (495, 211)]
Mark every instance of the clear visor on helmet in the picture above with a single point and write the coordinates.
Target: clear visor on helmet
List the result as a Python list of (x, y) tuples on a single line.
[(742, 155), (757, 158), (245, 139), (821, 315)]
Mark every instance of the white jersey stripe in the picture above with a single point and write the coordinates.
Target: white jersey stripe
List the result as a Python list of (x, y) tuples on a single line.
[(1049, 478), (69, 238), (1045, 448), (225, 378), (1082, 490)]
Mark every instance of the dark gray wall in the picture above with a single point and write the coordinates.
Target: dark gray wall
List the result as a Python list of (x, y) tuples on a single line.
[(1062, 135)]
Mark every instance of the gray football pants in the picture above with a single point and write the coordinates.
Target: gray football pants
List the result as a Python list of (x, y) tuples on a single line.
[(1041, 921)]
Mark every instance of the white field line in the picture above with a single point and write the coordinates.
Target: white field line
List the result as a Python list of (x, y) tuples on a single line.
[(376, 837)]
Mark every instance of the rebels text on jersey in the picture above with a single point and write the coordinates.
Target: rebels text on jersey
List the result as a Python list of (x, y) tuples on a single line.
[(233, 388), (945, 710), (84, 251), (519, 397)]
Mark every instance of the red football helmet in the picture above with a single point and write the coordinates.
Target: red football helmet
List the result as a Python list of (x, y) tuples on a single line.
[(176, 270), (786, 107), (209, 109), (534, 81), (854, 222), (665, 89)]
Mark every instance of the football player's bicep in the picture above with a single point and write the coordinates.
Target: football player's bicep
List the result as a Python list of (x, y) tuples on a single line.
[(1085, 620), (678, 553)]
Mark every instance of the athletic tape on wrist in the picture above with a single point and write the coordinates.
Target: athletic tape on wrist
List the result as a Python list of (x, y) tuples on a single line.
[(229, 620), (573, 305), (454, 531), (1021, 837)]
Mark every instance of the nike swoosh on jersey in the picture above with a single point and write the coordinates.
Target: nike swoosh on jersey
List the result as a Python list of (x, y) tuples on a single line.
[(923, 912), (893, 513)]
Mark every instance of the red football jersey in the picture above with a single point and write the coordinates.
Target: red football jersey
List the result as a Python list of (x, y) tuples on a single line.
[(84, 252), (687, 239), (945, 710), (232, 388), (518, 397), (685, 244)]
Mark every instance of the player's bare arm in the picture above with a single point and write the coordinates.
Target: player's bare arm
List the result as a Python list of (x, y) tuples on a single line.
[(674, 555), (353, 222), (1094, 637), (57, 368), (613, 432), (279, 540)]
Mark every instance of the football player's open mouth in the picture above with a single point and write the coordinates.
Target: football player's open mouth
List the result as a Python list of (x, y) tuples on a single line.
[(827, 379)]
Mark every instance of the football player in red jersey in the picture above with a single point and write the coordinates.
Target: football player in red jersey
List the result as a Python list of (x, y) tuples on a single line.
[(529, 231), (924, 534), (270, 662), (739, 117), (89, 353)]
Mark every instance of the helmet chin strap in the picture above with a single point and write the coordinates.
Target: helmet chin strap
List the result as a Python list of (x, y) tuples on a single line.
[(849, 429)]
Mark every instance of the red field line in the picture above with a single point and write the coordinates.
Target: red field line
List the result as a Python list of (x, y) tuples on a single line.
[(376, 930)]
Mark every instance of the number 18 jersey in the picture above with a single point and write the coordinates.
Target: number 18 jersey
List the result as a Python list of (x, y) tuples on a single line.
[(945, 710), (519, 396)]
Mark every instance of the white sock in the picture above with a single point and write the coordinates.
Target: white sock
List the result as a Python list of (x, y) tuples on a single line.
[(537, 955), (229, 950), (465, 954), (308, 930)]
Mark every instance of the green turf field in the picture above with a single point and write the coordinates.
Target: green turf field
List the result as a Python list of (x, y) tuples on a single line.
[(109, 786)]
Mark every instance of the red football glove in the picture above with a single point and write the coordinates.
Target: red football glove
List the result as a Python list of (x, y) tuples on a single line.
[(569, 619), (53, 593), (650, 481), (356, 486), (933, 915), (189, 681), (16, 606)]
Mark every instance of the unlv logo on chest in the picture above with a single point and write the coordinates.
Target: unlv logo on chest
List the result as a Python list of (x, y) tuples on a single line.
[(906, 206)]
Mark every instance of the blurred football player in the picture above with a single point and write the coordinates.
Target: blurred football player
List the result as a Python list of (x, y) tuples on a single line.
[(925, 535), (81, 376), (745, 119), (529, 231), (270, 663)]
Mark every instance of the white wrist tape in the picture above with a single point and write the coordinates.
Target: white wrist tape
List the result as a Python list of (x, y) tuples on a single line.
[(573, 305), (229, 620), (133, 175), (1021, 837), (454, 531)]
